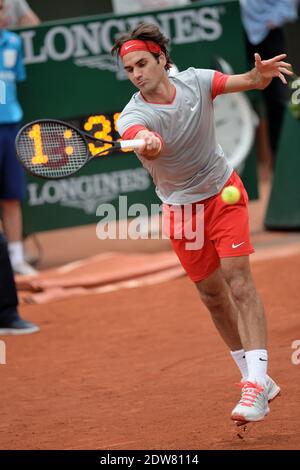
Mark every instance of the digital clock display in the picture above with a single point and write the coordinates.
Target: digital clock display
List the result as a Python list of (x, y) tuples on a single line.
[(101, 126)]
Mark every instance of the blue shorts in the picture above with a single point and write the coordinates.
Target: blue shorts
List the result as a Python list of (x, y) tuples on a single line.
[(12, 175)]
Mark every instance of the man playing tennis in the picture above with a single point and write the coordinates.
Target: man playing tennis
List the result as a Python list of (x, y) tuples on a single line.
[(174, 115)]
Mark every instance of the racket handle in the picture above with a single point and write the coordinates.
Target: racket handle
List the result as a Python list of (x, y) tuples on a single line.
[(132, 144)]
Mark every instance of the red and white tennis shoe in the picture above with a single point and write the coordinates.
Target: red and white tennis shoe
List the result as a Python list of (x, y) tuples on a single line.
[(253, 405), (273, 389)]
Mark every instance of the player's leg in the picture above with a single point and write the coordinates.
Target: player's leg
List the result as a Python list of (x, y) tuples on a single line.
[(258, 389), (251, 321), (202, 266), (226, 315), (216, 296), (251, 318), (232, 241)]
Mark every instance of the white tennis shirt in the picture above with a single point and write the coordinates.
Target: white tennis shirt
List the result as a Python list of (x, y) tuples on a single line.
[(192, 166)]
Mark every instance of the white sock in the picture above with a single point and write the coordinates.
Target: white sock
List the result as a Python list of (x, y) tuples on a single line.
[(240, 360), (16, 252), (257, 361)]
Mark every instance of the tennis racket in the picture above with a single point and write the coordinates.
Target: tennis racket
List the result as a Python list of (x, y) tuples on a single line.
[(52, 149)]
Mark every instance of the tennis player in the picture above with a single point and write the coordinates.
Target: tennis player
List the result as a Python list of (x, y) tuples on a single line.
[(174, 115)]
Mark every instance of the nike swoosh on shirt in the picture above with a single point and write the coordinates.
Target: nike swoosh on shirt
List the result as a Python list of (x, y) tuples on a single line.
[(236, 246), (265, 360)]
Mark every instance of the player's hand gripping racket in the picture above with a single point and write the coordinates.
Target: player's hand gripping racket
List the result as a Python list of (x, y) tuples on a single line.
[(52, 149)]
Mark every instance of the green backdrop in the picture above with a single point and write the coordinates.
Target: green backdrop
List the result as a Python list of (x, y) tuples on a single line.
[(283, 211)]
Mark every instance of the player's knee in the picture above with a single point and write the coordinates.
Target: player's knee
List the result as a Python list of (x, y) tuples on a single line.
[(240, 287), (211, 298)]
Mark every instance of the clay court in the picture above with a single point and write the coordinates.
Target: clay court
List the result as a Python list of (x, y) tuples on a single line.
[(143, 367)]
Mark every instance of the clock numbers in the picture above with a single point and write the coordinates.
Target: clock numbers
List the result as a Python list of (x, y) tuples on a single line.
[(39, 156), (102, 127), (104, 133)]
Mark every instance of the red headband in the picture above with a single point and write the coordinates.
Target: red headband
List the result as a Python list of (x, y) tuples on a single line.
[(138, 45)]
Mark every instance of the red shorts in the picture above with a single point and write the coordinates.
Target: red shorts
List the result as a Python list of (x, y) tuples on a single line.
[(211, 230)]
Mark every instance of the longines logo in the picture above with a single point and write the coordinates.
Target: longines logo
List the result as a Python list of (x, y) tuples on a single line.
[(90, 44), (87, 192)]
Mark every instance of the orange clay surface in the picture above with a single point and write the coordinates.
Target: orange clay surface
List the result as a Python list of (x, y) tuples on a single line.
[(144, 368)]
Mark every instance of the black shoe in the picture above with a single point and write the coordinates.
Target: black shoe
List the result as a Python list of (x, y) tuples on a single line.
[(18, 327)]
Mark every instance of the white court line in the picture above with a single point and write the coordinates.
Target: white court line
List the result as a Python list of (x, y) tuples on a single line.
[(77, 264)]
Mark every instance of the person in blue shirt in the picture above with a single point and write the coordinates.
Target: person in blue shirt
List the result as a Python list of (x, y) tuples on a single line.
[(11, 68), (12, 177), (263, 22)]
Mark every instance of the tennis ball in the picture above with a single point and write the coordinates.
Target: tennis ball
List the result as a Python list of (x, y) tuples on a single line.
[(230, 195)]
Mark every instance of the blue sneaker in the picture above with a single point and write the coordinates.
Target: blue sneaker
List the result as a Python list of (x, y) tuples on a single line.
[(17, 326)]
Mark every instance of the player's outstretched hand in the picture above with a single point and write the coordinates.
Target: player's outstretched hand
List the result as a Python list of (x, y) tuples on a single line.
[(271, 68)]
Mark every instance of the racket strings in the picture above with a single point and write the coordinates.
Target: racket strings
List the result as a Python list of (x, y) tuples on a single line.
[(52, 150)]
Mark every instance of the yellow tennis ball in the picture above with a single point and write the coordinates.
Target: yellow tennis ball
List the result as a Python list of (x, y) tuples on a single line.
[(230, 195)]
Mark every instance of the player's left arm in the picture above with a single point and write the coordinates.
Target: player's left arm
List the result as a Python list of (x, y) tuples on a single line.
[(260, 76)]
